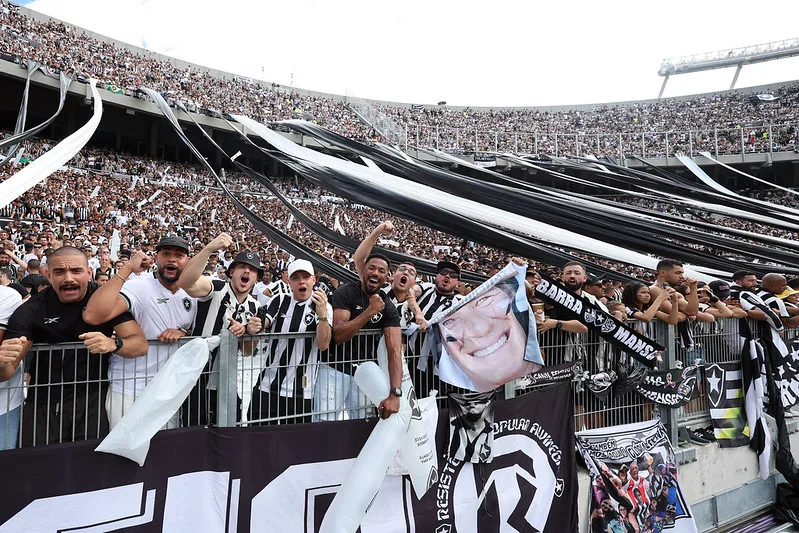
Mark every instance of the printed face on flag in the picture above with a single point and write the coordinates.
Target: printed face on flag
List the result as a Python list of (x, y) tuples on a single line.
[(488, 339)]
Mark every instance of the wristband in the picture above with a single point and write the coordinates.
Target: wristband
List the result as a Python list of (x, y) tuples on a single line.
[(323, 318), (120, 277)]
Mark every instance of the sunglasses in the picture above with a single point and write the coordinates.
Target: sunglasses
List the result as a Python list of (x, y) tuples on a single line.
[(449, 272)]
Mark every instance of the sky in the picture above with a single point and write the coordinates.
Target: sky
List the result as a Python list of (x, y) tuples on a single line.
[(498, 53)]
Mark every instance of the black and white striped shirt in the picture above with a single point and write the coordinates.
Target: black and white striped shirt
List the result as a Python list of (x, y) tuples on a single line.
[(405, 314), (291, 364), (220, 304), (278, 288), (431, 302)]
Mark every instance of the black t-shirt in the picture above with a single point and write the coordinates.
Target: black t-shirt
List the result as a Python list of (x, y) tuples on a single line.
[(350, 296), (44, 319)]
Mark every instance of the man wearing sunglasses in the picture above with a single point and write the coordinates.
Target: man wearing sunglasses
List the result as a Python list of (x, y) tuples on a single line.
[(441, 293)]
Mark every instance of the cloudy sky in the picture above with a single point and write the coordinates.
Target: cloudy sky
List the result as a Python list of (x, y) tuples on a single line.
[(465, 52)]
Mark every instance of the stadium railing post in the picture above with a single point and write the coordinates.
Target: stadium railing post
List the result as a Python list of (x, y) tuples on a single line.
[(669, 416), (226, 397)]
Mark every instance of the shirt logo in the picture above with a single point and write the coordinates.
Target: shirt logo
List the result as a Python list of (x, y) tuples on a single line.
[(187, 304), (162, 300), (51, 320), (377, 318), (358, 307), (310, 318)]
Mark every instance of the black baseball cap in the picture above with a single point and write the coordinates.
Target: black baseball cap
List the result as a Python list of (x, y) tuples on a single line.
[(448, 264), (593, 280), (173, 241), (720, 288), (247, 258)]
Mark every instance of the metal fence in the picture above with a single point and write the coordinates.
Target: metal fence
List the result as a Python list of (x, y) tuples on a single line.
[(765, 138), (69, 398)]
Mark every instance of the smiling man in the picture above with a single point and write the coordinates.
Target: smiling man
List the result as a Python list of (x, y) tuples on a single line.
[(360, 306), (220, 304), (164, 310)]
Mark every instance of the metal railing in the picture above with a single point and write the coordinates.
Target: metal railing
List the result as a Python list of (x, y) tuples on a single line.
[(742, 140), (68, 396)]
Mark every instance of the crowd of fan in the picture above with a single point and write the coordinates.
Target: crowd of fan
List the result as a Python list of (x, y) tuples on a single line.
[(733, 122), (123, 181)]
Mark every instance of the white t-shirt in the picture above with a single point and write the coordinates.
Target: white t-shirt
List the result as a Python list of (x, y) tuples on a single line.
[(258, 292), (10, 390), (156, 309)]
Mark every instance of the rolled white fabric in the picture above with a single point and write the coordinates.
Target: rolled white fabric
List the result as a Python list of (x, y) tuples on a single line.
[(160, 400), (363, 482)]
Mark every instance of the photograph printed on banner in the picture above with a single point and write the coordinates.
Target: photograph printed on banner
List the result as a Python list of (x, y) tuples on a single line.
[(634, 480), (471, 423), (489, 338)]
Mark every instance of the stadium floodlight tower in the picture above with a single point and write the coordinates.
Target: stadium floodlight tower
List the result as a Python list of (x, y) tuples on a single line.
[(736, 57)]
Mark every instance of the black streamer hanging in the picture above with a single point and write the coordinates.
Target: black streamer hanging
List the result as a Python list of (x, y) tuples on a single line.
[(293, 246)]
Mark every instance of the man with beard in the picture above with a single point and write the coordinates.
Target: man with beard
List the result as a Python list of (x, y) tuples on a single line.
[(13, 263), (220, 305), (403, 290), (670, 273), (560, 327), (360, 306), (164, 310), (67, 386)]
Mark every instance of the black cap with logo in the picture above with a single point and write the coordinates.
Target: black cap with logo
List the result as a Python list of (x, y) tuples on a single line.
[(247, 258)]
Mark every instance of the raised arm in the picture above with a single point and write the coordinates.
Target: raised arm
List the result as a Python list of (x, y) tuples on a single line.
[(106, 303), (191, 279), (365, 248)]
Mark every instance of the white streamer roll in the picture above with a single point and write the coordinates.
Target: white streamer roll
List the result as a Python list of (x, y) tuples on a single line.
[(363, 482)]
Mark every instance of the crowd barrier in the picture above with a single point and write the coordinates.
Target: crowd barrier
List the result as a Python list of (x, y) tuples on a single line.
[(227, 393), (766, 138)]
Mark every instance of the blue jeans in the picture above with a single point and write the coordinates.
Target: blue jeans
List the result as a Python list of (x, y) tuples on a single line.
[(9, 429), (337, 396)]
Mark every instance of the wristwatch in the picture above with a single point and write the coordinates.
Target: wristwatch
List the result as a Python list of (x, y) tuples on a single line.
[(118, 342), (559, 325), (396, 391)]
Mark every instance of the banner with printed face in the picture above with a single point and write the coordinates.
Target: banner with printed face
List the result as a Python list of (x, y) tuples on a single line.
[(635, 485), (280, 479), (605, 325), (488, 338), (471, 426), (673, 388)]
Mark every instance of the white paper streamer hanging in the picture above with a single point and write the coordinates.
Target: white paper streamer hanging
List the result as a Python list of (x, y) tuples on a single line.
[(50, 161), (472, 209), (95, 192)]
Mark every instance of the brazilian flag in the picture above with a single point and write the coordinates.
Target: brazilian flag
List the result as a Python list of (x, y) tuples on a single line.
[(116, 89)]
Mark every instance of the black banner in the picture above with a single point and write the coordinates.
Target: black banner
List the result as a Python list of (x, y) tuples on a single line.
[(672, 388), (284, 479), (608, 327)]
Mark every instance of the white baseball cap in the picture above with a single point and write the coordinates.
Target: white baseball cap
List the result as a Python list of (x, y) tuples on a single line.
[(300, 264)]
